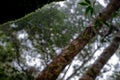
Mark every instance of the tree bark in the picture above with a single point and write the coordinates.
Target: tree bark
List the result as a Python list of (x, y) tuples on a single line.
[(52, 71), (94, 70)]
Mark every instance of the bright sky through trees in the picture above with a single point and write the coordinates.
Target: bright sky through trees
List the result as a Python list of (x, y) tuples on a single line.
[(102, 2), (111, 61)]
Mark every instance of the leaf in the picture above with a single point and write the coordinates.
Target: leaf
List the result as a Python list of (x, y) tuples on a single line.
[(103, 40), (106, 23), (83, 3), (87, 10), (97, 22), (91, 11), (87, 1), (115, 14), (100, 14)]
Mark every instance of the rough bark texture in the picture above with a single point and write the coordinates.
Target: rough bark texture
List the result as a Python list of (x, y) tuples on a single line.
[(52, 71), (14, 9), (94, 70)]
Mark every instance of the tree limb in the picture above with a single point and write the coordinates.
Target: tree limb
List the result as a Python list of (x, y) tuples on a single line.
[(52, 71), (94, 70)]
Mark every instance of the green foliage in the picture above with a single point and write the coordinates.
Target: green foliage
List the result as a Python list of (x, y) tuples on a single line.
[(83, 4), (87, 1), (46, 32), (101, 20), (89, 6), (89, 9)]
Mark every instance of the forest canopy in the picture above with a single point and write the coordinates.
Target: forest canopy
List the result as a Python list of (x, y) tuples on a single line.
[(65, 38)]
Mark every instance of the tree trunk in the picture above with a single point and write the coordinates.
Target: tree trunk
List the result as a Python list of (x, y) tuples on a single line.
[(94, 70), (52, 71)]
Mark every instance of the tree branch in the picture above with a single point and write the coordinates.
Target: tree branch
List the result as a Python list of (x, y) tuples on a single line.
[(52, 71), (94, 70)]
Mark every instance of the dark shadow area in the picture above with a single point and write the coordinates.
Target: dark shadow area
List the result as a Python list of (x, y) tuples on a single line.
[(14, 9)]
